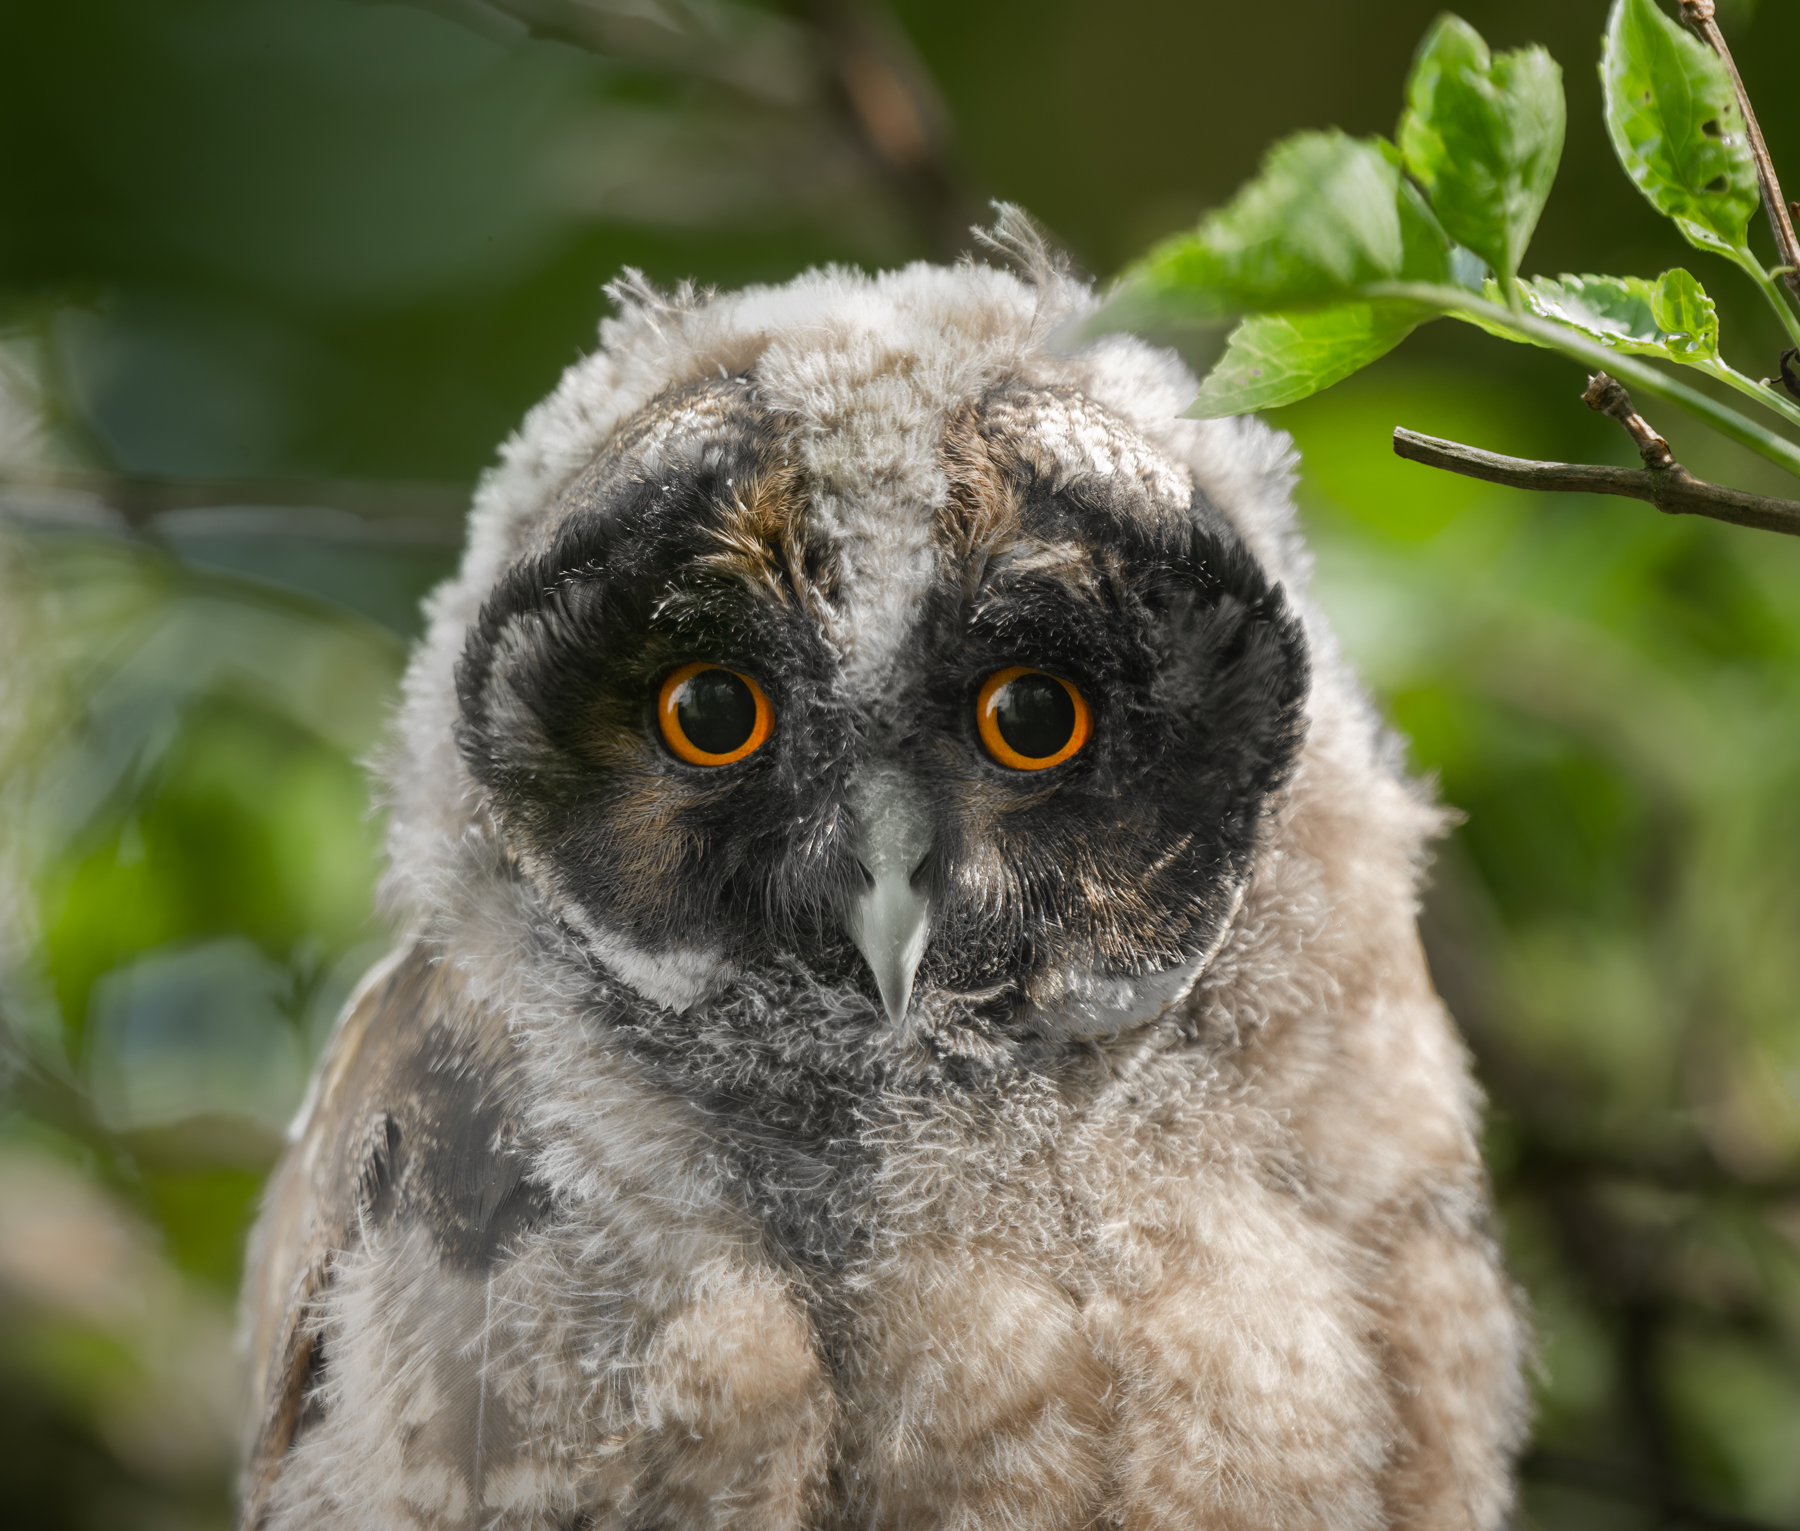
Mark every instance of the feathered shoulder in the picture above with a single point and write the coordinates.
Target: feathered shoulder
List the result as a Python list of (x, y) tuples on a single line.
[(412, 1124)]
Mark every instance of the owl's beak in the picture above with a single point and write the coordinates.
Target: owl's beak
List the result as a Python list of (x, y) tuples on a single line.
[(891, 921)]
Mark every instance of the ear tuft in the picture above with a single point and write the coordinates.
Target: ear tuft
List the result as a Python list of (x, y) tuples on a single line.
[(637, 296), (1021, 241)]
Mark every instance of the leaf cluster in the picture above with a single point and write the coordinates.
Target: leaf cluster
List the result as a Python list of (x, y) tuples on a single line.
[(1341, 247)]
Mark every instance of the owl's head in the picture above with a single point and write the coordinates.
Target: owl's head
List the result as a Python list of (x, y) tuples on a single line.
[(847, 629)]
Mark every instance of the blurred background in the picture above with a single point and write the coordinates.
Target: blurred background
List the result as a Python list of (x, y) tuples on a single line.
[(277, 275)]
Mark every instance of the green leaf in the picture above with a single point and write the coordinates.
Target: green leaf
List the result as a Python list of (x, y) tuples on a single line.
[(1674, 121), (1615, 310), (1686, 316), (1275, 359), (1326, 215), (1671, 318), (1483, 136)]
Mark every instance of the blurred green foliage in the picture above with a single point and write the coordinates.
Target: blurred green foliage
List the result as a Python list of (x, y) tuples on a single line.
[(276, 275)]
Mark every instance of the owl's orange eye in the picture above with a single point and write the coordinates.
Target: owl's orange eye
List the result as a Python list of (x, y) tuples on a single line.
[(1031, 720), (712, 716)]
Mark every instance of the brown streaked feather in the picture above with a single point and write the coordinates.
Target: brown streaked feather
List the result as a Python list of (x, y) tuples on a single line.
[(410, 1122), (981, 512), (762, 539)]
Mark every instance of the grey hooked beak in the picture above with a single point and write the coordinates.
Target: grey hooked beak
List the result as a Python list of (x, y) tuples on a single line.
[(891, 921)]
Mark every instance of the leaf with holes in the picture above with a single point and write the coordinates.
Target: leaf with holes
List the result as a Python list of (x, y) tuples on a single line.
[(1327, 215), (1483, 135), (1671, 318), (1674, 121), (1276, 359)]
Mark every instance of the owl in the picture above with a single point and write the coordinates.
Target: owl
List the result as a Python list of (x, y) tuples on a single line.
[(909, 1011)]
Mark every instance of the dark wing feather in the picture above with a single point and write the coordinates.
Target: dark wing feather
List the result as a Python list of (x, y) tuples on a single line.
[(411, 1120)]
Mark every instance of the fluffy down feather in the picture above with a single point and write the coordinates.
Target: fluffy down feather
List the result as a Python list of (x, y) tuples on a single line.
[(585, 1231)]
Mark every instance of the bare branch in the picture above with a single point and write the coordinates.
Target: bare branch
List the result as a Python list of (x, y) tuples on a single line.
[(1699, 14), (1607, 394), (849, 59), (1673, 490), (139, 499), (900, 115)]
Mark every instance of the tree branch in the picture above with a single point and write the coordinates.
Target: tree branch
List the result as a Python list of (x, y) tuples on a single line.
[(1672, 490), (140, 498), (900, 115), (1661, 482), (1607, 395), (1699, 15), (854, 60)]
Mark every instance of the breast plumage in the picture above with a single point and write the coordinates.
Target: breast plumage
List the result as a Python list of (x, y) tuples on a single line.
[(909, 1012)]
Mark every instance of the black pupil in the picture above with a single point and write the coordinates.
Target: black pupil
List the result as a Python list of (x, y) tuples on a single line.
[(1035, 715), (716, 711)]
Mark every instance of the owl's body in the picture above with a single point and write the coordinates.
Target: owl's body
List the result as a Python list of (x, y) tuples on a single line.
[(865, 1132)]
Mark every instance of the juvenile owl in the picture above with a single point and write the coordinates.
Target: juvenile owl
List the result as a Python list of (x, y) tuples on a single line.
[(909, 1012)]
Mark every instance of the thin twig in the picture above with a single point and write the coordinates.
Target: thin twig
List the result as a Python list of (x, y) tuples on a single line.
[(856, 61), (1676, 494), (1662, 482), (900, 114), (1699, 14), (1607, 394), (140, 498)]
